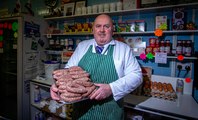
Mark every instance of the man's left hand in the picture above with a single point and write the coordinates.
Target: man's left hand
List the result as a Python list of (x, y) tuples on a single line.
[(103, 91)]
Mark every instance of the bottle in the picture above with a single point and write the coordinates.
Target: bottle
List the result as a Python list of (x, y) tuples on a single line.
[(167, 47), (180, 87), (179, 47), (188, 48), (184, 47), (51, 44), (152, 42), (66, 44), (157, 43), (162, 46), (62, 44), (57, 44), (37, 94)]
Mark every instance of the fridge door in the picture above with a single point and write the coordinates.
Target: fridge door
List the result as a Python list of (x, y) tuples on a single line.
[(33, 44), (8, 67), (21, 50)]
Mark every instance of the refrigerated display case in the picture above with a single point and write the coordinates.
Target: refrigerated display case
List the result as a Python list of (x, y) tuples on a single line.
[(21, 46)]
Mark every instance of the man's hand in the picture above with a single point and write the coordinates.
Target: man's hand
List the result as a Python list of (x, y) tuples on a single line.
[(54, 92), (103, 91)]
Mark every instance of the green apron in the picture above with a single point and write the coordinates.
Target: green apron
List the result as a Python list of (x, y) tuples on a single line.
[(102, 70)]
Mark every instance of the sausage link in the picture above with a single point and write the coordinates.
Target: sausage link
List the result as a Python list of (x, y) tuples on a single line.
[(89, 91), (83, 83), (80, 75), (62, 86), (83, 79), (60, 72), (77, 72), (70, 99), (63, 78), (75, 88), (75, 68), (65, 93)]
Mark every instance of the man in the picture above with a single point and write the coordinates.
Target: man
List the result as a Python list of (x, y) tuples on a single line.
[(115, 72)]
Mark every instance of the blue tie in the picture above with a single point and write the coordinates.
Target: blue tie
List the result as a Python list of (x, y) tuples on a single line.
[(99, 49)]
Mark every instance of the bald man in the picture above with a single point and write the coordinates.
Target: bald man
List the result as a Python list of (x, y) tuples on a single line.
[(112, 68)]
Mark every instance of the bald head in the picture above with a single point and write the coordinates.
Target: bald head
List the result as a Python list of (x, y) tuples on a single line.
[(103, 16), (103, 29)]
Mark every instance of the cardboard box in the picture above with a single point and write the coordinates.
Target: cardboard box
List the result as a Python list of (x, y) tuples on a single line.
[(178, 19), (148, 3), (136, 25), (160, 21), (136, 45), (131, 4)]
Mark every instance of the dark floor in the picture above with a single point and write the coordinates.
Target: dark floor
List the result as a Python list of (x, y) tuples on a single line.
[(8, 101), (8, 108)]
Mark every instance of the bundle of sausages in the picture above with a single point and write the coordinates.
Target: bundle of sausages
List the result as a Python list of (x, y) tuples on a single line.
[(74, 84)]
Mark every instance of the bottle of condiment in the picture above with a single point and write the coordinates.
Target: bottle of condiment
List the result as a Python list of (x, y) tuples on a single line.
[(162, 46), (167, 47), (188, 48), (70, 44), (62, 44), (184, 47), (157, 43), (37, 94), (180, 86), (152, 42), (57, 44), (51, 44), (179, 47), (66, 44)]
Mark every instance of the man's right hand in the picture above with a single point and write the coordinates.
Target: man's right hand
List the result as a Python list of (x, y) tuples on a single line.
[(54, 92)]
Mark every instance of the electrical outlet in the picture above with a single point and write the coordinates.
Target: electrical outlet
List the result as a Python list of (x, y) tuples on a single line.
[(184, 65)]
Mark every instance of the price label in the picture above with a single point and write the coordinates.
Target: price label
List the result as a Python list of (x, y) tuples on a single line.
[(160, 57)]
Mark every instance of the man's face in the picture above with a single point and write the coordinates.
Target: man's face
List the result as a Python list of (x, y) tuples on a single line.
[(103, 29)]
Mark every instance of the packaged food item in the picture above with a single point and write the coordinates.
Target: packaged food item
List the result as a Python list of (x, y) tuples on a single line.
[(37, 94), (180, 86), (188, 50)]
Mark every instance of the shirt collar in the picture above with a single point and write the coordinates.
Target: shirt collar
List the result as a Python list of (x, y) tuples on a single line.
[(112, 42)]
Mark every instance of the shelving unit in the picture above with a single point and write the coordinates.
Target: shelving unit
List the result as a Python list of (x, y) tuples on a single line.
[(129, 33), (44, 87), (127, 12), (139, 11)]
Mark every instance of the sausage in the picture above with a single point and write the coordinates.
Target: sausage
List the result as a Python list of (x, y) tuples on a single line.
[(63, 78), (89, 91), (75, 88), (76, 72), (75, 68), (80, 75), (60, 72), (65, 93), (62, 86), (83, 83), (70, 99), (61, 82), (83, 79)]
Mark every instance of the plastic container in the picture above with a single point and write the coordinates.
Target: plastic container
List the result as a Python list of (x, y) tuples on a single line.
[(50, 66), (180, 86), (37, 94)]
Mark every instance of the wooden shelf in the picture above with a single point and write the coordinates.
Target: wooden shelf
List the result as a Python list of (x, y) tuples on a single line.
[(127, 12), (127, 33)]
